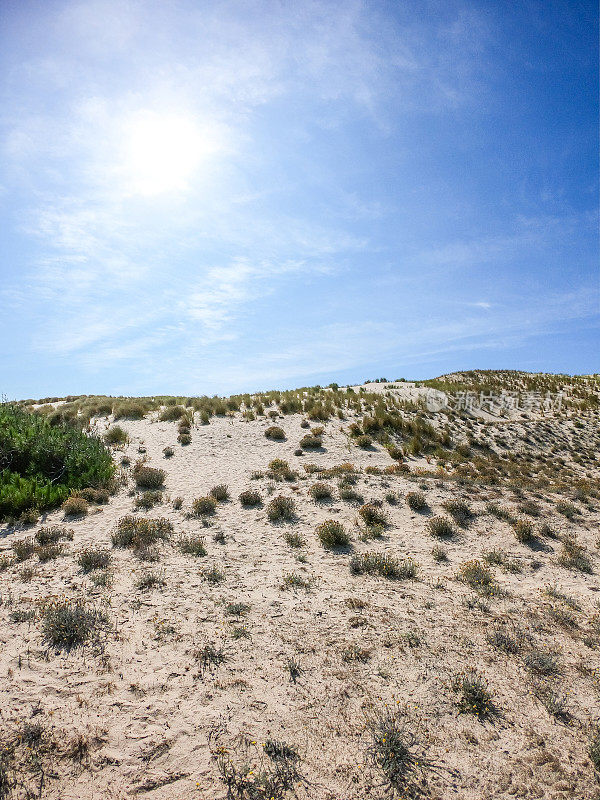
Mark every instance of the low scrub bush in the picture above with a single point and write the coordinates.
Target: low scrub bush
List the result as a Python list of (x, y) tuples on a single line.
[(311, 442), (148, 477), (249, 499), (192, 545), (276, 433), (75, 507), (148, 500), (281, 508), (441, 526), (94, 558), (459, 511), (474, 697), (220, 493), (384, 565), (478, 576), (53, 534), (372, 514), (66, 625), (116, 435), (416, 501), (523, 530), (204, 506), (320, 491), (332, 534), (141, 533), (364, 441)]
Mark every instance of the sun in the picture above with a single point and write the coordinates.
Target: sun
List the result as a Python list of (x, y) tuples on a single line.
[(162, 153)]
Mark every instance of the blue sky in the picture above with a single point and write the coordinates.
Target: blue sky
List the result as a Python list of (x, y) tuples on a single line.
[(215, 197)]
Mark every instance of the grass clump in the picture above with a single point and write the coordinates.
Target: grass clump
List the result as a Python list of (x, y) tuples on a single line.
[(141, 533), (24, 549), (49, 552), (474, 697), (291, 580), (523, 531), (541, 662), (172, 413), (150, 580), (116, 435), (53, 534), (66, 625), (416, 501), (281, 508), (478, 576), (148, 477), (75, 507), (391, 750), (220, 493), (574, 556), (568, 510), (386, 566), (279, 470), (276, 433), (372, 514), (184, 438), (311, 442), (321, 491), (332, 533), (459, 511), (213, 575), (168, 452), (204, 506), (441, 527), (192, 545), (94, 558), (148, 499), (250, 499), (349, 493), (294, 539), (594, 750)]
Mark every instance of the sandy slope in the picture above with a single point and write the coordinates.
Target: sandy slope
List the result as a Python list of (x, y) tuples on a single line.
[(146, 710)]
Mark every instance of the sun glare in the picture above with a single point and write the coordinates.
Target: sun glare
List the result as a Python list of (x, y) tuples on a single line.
[(162, 153)]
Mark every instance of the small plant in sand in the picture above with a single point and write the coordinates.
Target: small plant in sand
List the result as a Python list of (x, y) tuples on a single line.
[(213, 575), (574, 556), (220, 493), (294, 539), (364, 441), (168, 452), (291, 580), (384, 565), (311, 442), (209, 657), (66, 625), (204, 506), (321, 491), (177, 503), (416, 501), (391, 750), (94, 558), (250, 498), (140, 533), (372, 514), (281, 508), (91, 495), (567, 509), (594, 750), (279, 470), (148, 477), (349, 493), (116, 435), (523, 530), (474, 697), (459, 511), (478, 576), (150, 580), (184, 439), (75, 507), (49, 552), (192, 545), (276, 433), (53, 534), (332, 534), (237, 609), (148, 499), (441, 526)]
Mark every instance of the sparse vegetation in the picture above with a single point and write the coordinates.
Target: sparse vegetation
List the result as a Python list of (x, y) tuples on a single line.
[(332, 534), (281, 508)]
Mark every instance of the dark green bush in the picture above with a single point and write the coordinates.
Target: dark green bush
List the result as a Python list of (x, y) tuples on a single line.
[(43, 463), (116, 435)]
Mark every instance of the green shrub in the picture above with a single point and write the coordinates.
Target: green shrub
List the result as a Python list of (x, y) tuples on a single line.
[(48, 552), (594, 750), (320, 491), (42, 463), (66, 625), (384, 565), (171, 413), (204, 506), (574, 556), (24, 549), (140, 533), (332, 534), (94, 558), (168, 452), (279, 470), (390, 750), (478, 576), (184, 439), (130, 409), (116, 435), (275, 432), (416, 501), (149, 580), (148, 477), (148, 500), (250, 498), (75, 507), (281, 508), (441, 526), (364, 441), (372, 514)]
